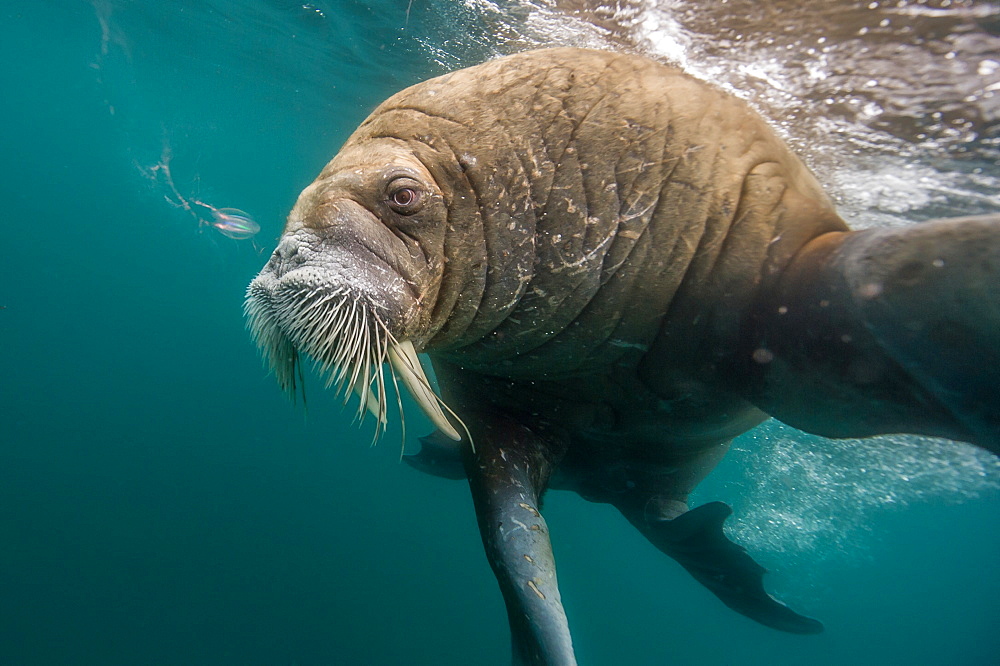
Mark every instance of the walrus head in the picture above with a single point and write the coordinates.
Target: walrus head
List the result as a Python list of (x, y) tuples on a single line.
[(419, 235), (349, 283)]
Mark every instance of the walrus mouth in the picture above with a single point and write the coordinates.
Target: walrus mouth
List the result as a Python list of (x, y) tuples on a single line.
[(342, 332)]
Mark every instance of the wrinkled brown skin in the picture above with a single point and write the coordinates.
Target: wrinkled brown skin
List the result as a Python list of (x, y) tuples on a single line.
[(619, 269)]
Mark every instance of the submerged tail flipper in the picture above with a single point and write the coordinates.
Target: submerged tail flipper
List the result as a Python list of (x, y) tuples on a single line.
[(696, 540)]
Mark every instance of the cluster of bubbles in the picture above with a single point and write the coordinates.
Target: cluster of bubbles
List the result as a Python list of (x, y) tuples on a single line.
[(803, 494)]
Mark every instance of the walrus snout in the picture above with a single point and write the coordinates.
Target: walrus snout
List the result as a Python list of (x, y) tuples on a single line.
[(339, 289), (343, 248)]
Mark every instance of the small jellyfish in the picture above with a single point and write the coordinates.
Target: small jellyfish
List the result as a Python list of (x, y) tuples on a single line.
[(234, 223), (231, 222)]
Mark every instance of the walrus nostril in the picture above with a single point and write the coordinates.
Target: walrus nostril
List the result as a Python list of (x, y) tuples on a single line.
[(286, 250), (286, 256)]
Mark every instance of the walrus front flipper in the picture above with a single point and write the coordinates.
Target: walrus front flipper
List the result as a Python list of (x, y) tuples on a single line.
[(884, 330), (507, 474), (696, 541)]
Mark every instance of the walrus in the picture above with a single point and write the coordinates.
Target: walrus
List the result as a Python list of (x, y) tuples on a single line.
[(615, 269)]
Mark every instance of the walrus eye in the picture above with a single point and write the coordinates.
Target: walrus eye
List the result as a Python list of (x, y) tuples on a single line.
[(404, 197), (405, 200)]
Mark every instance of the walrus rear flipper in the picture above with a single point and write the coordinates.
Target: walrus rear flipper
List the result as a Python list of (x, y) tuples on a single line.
[(508, 473), (438, 456), (696, 541)]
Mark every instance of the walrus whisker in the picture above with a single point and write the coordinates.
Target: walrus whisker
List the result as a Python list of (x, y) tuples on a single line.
[(346, 357), (330, 328), (368, 356), (377, 385), (313, 325), (276, 349), (332, 349), (326, 331), (402, 416), (340, 355), (296, 371), (348, 344), (351, 351), (364, 362), (383, 401), (379, 379), (444, 405), (384, 353), (377, 357)]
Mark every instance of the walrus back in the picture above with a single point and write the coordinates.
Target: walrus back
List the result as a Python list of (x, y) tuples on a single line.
[(610, 197)]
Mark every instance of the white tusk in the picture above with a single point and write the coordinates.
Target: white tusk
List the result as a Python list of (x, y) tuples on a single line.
[(403, 359)]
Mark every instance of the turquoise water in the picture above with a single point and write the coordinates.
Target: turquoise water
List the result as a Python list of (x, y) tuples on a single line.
[(162, 503)]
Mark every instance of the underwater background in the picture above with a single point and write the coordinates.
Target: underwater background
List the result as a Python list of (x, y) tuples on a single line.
[(161, 502)]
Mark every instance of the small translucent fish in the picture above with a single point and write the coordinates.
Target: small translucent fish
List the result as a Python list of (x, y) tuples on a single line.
[(234, 223)]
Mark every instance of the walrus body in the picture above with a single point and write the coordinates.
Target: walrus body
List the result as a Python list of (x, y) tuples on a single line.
[(616, 269)]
